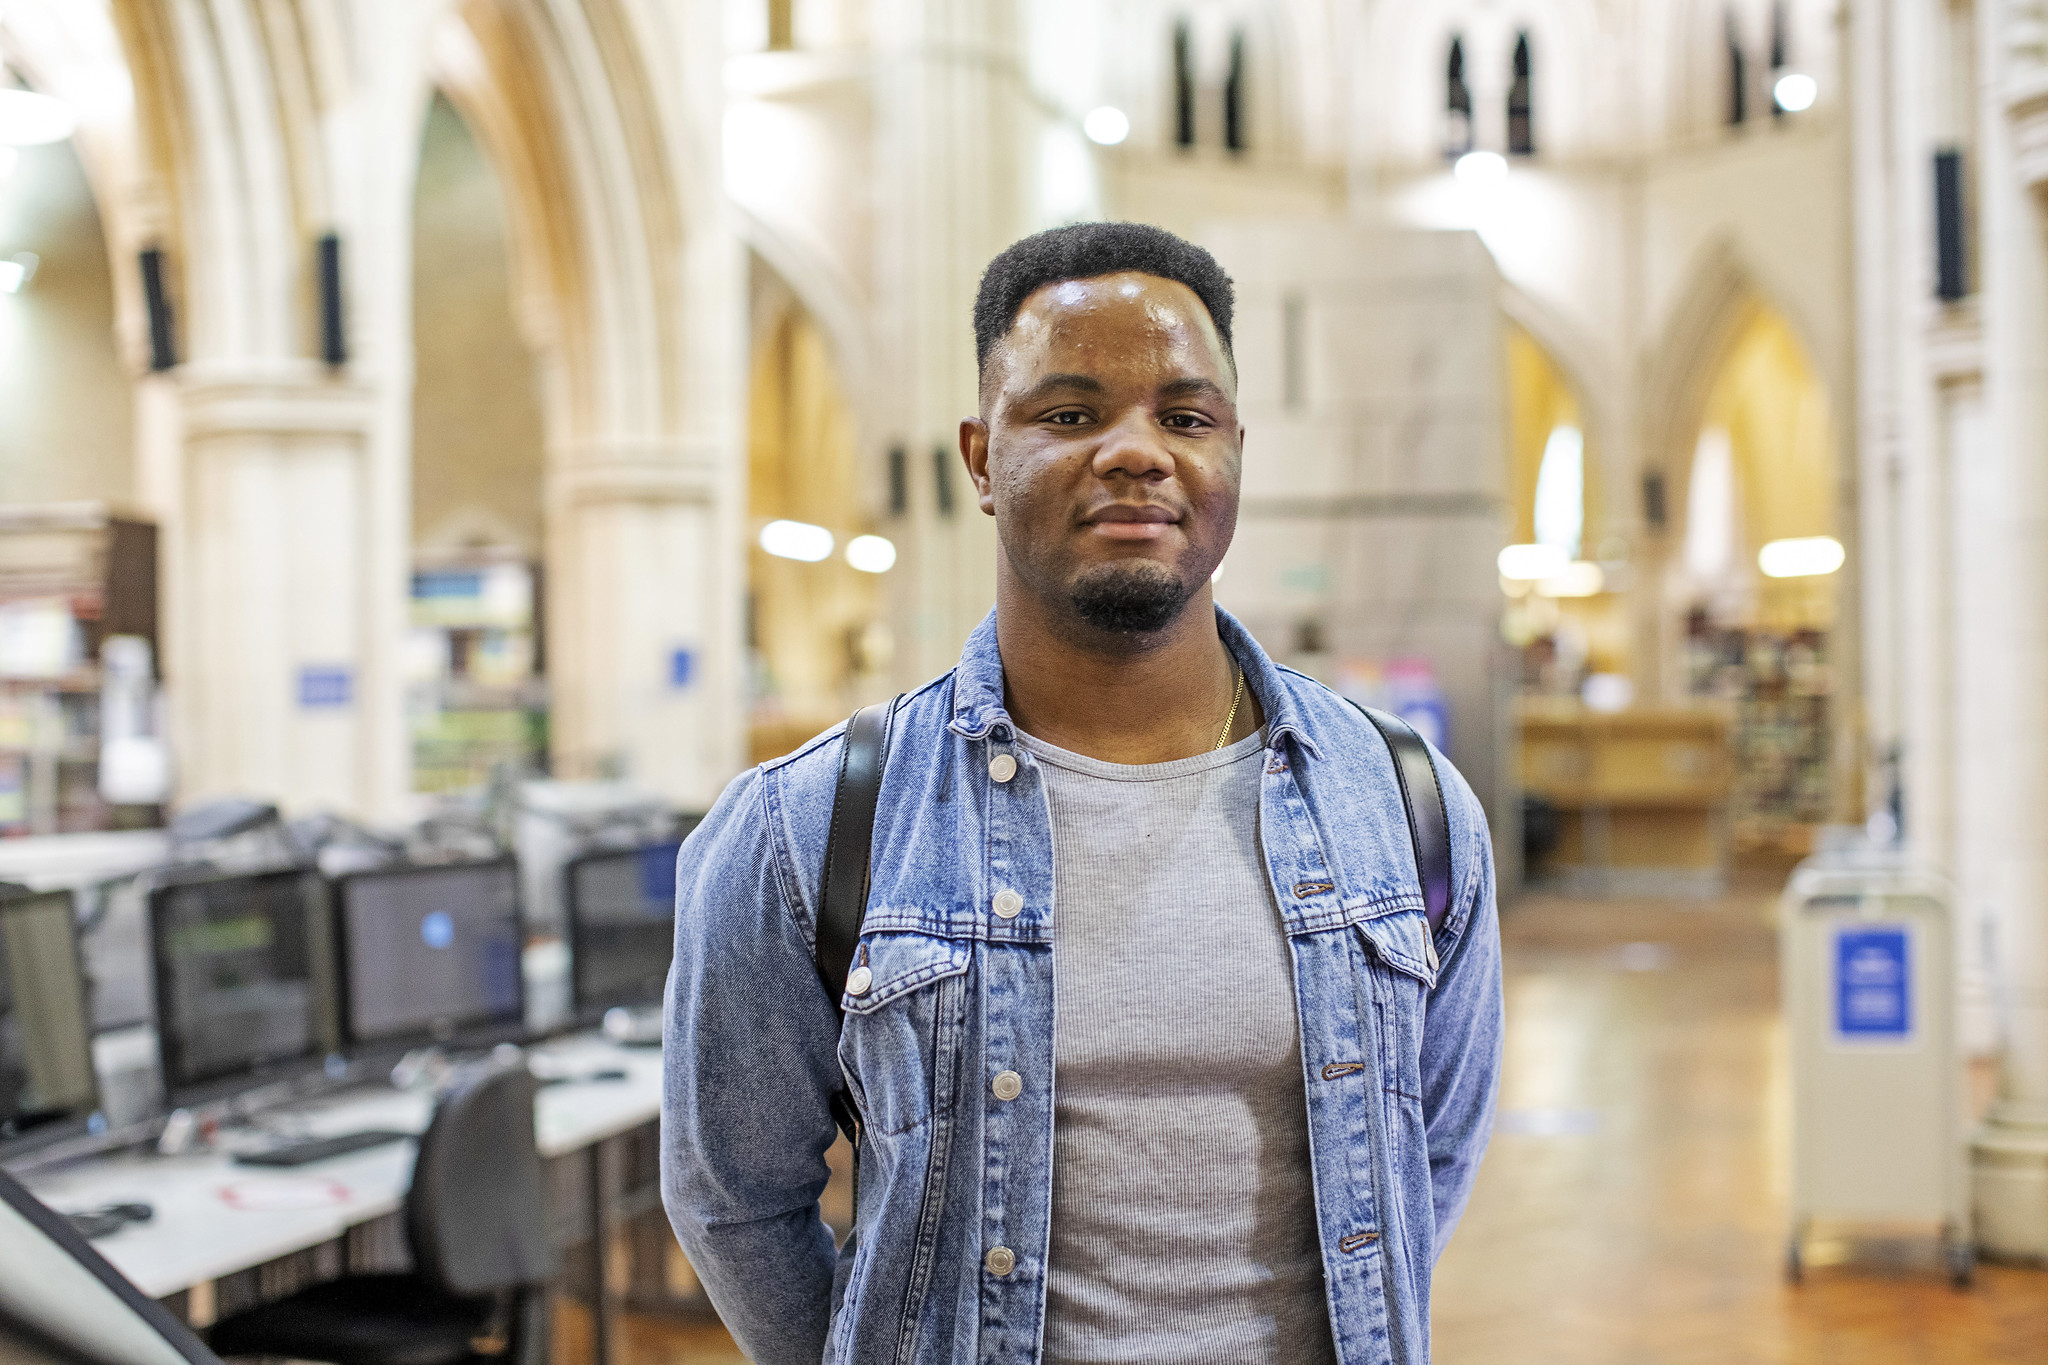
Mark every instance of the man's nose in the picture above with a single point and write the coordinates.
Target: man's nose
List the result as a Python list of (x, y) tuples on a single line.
[(1134, 447)]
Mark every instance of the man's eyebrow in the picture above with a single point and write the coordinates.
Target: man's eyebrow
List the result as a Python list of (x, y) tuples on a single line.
[(1193, 386), (1086, 383)]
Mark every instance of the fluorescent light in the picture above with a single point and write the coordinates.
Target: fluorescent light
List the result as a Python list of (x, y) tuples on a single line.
[(1531, 562), (796, 540), (1107, 125), (27, 118), (16, 271), (1801, 557), (1580, 578), (1481, 168), (1796, 91), (871, 554)]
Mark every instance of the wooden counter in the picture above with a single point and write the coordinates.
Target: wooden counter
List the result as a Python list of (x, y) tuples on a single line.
[(1643, 795)]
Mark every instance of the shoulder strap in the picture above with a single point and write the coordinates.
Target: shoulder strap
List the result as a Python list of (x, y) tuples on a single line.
[(1429, 824), (843, 894)]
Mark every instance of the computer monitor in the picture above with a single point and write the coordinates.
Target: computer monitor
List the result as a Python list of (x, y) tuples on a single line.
[(431, 954), (621, 912), (47, 1086), (243, 973)]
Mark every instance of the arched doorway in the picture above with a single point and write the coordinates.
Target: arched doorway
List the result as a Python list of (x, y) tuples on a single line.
[(1755, 579), (80, 746), (475, 659), (817, 643)]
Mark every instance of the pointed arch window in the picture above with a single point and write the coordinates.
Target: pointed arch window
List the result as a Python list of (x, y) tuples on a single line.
[(1738, 74), (1457, 102), (1183, 85), (1233, 96), (1521, 103)]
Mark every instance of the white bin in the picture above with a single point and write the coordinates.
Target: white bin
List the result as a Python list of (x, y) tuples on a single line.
[(1877, 1109)]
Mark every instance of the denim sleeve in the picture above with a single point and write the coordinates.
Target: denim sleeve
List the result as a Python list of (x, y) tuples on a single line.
[(1461, 1037), (749, 1051)]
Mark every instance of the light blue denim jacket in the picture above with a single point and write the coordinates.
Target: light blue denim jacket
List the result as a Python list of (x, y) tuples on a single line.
[(1400, 1034)]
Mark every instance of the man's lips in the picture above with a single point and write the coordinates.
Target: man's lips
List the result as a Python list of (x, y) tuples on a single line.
[(1131, 521)]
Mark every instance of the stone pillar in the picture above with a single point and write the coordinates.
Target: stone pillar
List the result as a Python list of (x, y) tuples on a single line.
[(272, 587), (643, 567), (2004, 760), (949, 104)]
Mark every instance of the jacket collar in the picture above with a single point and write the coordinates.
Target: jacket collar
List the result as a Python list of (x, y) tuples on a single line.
[(978, 685)]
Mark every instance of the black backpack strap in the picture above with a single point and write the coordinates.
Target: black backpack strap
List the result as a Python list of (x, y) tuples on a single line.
[(1429, 822), (843, 894)]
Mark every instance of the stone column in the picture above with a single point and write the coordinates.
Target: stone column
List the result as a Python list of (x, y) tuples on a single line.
[(2004, 759), (273, 578), (949, 105)]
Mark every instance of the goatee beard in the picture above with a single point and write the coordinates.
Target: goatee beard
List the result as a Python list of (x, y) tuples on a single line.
[(1130, 599)]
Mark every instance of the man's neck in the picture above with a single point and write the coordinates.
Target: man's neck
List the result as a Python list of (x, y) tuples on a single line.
[(1117, 697)]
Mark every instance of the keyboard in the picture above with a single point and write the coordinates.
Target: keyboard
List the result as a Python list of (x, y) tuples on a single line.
[(301, 1151)]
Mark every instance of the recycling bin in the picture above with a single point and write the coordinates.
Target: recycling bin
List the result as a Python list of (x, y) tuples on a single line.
[(1866, 947)]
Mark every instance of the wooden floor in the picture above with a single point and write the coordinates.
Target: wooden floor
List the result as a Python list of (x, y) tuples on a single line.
[(1630, 1211)]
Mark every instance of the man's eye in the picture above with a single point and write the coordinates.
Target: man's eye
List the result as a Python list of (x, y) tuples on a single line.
[(1186, 421), (1068, 419)]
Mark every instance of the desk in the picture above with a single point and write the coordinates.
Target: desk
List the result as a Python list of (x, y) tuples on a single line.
[(214, 1218)]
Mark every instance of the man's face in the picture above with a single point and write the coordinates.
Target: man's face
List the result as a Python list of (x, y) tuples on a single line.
[(1108, 450)]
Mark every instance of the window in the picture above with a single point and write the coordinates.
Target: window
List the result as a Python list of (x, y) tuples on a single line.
[(1233, 96), (1183, 85), (1561, 491), (1521, 113), (1738, 75), (1457, 103)]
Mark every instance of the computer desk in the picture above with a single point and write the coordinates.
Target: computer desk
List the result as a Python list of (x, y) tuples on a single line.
[(214, 1218)]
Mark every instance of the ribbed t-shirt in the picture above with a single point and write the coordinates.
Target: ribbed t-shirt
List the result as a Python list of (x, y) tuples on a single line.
[(1183, 1215)]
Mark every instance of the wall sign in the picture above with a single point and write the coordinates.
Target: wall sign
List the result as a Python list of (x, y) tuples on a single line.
[(322, 686), (682, 668), (1873, 995)]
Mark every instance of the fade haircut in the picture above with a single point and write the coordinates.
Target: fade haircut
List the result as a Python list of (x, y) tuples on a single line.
[(1084, 251)]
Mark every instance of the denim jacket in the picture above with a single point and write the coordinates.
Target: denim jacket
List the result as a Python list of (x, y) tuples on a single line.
[(1400, 1033)]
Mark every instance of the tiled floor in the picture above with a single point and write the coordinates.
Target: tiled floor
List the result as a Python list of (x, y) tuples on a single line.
[(1631, 1208), (1630, 1211)]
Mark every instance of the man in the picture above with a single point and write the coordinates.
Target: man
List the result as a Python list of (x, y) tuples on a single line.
[(1156, 1055)]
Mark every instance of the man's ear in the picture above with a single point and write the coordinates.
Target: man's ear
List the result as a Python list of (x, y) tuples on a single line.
[(974, 452)]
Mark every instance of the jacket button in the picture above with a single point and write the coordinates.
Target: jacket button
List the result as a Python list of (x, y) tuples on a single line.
[(858, 980), (1008, 1085), (1009, 904), (1002, 767), (1001, 1261)]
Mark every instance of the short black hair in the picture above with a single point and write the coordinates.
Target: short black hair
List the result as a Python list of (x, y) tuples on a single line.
[(1083, 251)]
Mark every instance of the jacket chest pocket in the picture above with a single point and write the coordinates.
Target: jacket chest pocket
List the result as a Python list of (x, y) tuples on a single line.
[(903, 1026), (1397, 970)]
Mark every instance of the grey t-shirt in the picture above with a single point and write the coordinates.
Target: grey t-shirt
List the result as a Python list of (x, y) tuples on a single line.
[(1183, 1214)]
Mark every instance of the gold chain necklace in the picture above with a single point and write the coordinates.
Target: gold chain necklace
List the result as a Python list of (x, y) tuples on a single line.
[(1236, 696)]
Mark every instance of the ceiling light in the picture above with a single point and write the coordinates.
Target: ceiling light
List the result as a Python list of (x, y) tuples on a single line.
[(1531, 562), (1795, 92), (1801, 557), (796, 540), (1581, 578), (16, 271), (27, 119), (871, 554), (1481, 168), (1107, 125)]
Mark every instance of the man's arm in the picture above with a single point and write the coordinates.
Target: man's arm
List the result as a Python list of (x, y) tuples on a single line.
[(1461, 1035), (749, 1050)]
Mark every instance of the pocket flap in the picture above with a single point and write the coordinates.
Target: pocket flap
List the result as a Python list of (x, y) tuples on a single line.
[(899, 963), (1399, 936)]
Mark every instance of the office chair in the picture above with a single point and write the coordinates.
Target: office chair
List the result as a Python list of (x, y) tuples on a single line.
[(481, 1253)]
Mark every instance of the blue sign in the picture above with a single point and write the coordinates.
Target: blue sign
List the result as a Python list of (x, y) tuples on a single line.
[(1874, 983), (682, 667), (325, 685), (437, 930)]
